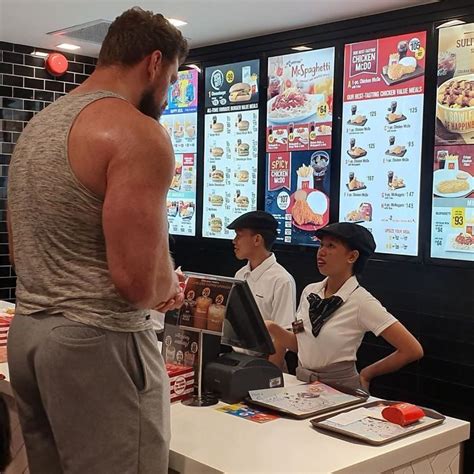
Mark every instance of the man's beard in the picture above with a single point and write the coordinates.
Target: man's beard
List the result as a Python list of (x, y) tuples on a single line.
[(149, 107)]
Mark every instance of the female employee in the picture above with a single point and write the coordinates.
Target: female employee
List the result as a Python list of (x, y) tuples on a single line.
[(334, 315)]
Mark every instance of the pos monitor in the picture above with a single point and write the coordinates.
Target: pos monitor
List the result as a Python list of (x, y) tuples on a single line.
[(233, 374), (243, 323)]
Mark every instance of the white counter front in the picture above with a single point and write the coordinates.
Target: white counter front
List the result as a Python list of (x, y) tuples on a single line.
[(207, 441)]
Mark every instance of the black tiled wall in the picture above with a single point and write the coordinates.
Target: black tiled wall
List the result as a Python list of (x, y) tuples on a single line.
[(25, 89)]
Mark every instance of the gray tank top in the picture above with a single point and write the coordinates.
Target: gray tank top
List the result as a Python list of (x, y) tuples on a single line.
[(59, 245)]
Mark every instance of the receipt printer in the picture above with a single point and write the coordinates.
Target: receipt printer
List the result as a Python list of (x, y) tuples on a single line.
[(232, 375)]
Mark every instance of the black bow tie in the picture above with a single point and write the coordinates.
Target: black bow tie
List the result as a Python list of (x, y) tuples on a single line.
[(320, 310)]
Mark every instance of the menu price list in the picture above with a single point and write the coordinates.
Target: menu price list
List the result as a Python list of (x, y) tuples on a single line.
[(230, 170), (381, 142), (179, 120)]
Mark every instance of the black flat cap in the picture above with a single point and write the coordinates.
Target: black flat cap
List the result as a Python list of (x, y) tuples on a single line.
[(259, 220), (356, 236)]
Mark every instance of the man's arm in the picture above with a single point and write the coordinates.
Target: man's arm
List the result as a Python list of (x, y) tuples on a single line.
[(135, 226)]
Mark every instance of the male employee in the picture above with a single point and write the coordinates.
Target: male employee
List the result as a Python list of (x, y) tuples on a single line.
[(272, 286)]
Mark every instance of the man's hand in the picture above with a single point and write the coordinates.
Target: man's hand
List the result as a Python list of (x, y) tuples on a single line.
[(178, 299)]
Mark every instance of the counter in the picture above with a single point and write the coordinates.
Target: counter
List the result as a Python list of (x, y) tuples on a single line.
[(207, 441)]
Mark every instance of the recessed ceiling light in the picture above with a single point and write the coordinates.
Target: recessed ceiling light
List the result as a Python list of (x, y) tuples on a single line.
[(40, 54), (301, 48), (451, 23), (68, 47), (194, 66), (176, 22)]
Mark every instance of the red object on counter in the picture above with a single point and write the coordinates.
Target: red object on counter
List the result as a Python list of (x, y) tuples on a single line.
[(56, 64), (403, 414), (181, 382)]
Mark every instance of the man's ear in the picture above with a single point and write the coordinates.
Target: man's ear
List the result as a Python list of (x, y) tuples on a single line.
[(155, 60), (258, 239)]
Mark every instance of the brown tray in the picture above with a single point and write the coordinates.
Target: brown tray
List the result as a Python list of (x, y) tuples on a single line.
[(357, 124), (401, 119), (358, 156), (431, 419), (360, 396), (398, 155), (406, 77), (354, 190)]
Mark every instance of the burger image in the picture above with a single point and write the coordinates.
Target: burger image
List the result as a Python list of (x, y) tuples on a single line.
[(217, 176), (217, 151), (217, 127), (243, 125), (243, 149), (242, 201), (190, 131), (240, 92), (242, 176), (215, 224), (216, 200)]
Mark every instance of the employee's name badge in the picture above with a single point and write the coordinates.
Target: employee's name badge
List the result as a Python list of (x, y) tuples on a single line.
[(298, 326)]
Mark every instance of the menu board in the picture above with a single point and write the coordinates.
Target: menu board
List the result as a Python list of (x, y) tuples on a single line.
[(298, 143), (300, 98), (382, 139), (179, 119), (230, 145), (452, 234)]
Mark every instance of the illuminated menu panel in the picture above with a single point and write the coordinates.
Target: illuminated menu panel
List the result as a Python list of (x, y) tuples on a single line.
[(298, 143), (452, 223), (382, 139), (180, 119), (230, 145)]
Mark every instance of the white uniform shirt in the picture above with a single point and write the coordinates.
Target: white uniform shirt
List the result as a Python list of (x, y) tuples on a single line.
[(274, 290), (341, 336)]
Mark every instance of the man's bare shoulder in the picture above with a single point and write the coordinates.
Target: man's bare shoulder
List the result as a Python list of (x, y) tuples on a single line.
[(115, 125)]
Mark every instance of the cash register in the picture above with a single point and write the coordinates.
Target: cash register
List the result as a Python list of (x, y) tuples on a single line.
[(245, 367)]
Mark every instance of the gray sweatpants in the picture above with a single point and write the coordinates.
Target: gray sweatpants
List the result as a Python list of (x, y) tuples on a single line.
[(90, 400)]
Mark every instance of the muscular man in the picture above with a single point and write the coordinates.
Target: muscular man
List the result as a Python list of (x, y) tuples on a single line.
[(88, 231)]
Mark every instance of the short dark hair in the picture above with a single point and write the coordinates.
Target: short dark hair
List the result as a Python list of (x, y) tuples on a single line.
[(268, 235), (136, 33), (359, 265)]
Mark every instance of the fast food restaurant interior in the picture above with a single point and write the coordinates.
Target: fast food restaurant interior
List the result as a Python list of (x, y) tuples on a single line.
[(316, 112)]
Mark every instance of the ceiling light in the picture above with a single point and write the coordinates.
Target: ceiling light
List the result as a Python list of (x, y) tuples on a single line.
[(301, 48), (451, 23), (194, 66), (176, 22), (39, 54), (68, 47)]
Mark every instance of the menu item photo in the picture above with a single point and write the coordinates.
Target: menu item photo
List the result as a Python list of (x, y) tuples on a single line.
[(298, 194), (455, 93), (240, 92), (356, 151), (300, 101), (403, 64)]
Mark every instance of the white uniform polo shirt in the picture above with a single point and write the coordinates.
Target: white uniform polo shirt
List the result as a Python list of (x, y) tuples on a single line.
[(274, 290), (341, 336)]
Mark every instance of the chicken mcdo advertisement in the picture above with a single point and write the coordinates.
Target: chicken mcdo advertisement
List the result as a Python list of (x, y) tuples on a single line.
[(382, 122), (230, 146), (297, 194)]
